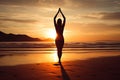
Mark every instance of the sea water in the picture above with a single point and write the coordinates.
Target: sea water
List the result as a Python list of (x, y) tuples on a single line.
[(17, 53)]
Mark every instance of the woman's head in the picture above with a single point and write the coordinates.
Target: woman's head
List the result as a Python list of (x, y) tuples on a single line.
[(59, 21)]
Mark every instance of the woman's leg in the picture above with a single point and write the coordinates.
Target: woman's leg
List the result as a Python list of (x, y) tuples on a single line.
[(59, 45), (60, 49), (59, 53)]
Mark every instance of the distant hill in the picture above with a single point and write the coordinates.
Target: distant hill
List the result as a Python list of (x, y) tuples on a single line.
[(16, 37)]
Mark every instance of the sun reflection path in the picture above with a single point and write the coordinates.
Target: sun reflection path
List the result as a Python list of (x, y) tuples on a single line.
[(54, 56)]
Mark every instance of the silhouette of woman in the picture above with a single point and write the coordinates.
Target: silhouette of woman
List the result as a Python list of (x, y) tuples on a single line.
[(59, 27)]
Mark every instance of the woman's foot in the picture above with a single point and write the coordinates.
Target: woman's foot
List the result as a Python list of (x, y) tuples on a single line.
[(59, 61)]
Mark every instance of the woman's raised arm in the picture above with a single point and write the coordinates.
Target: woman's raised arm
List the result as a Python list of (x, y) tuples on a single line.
[(64, 21), (55, 18)]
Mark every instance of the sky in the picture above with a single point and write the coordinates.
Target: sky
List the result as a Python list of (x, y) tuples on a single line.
[(86, 20)]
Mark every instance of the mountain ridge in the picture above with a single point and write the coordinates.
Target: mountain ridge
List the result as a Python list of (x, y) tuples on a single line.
[(4, 37)]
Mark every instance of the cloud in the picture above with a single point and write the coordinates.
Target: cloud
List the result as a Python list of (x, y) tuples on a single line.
[(41, 3), (95, 28), (104, 16), (19, 20), (18, 2), (94, 3), (63, 3), (111, 16)]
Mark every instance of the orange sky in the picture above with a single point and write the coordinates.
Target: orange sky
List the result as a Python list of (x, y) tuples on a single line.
[(87, 20)]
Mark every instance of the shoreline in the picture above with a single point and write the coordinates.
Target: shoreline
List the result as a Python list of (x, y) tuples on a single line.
[(102, 68)]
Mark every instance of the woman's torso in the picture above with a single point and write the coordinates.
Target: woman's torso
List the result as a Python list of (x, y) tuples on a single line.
[(59, 31)]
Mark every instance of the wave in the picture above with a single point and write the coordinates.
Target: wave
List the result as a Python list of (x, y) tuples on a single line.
[(101, 45)]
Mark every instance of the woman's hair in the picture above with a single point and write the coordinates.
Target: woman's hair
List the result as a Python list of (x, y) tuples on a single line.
[(59, 21)]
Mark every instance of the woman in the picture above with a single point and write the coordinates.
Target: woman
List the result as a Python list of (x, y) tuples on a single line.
[(59, 27)]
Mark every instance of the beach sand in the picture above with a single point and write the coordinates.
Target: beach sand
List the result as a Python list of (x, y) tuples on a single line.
[(103, 68)]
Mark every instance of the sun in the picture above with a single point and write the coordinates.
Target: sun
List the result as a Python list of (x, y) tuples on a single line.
[(51, 33)]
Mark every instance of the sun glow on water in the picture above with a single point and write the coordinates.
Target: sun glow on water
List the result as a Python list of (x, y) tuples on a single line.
[(54, 57)]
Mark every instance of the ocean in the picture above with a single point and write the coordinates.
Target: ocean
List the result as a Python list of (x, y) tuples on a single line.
[(17, 53)]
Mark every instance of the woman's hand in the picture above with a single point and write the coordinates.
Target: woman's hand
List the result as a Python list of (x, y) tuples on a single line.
[(60, 10)]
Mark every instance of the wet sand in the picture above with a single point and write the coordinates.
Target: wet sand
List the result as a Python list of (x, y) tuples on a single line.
[(103, 68)]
